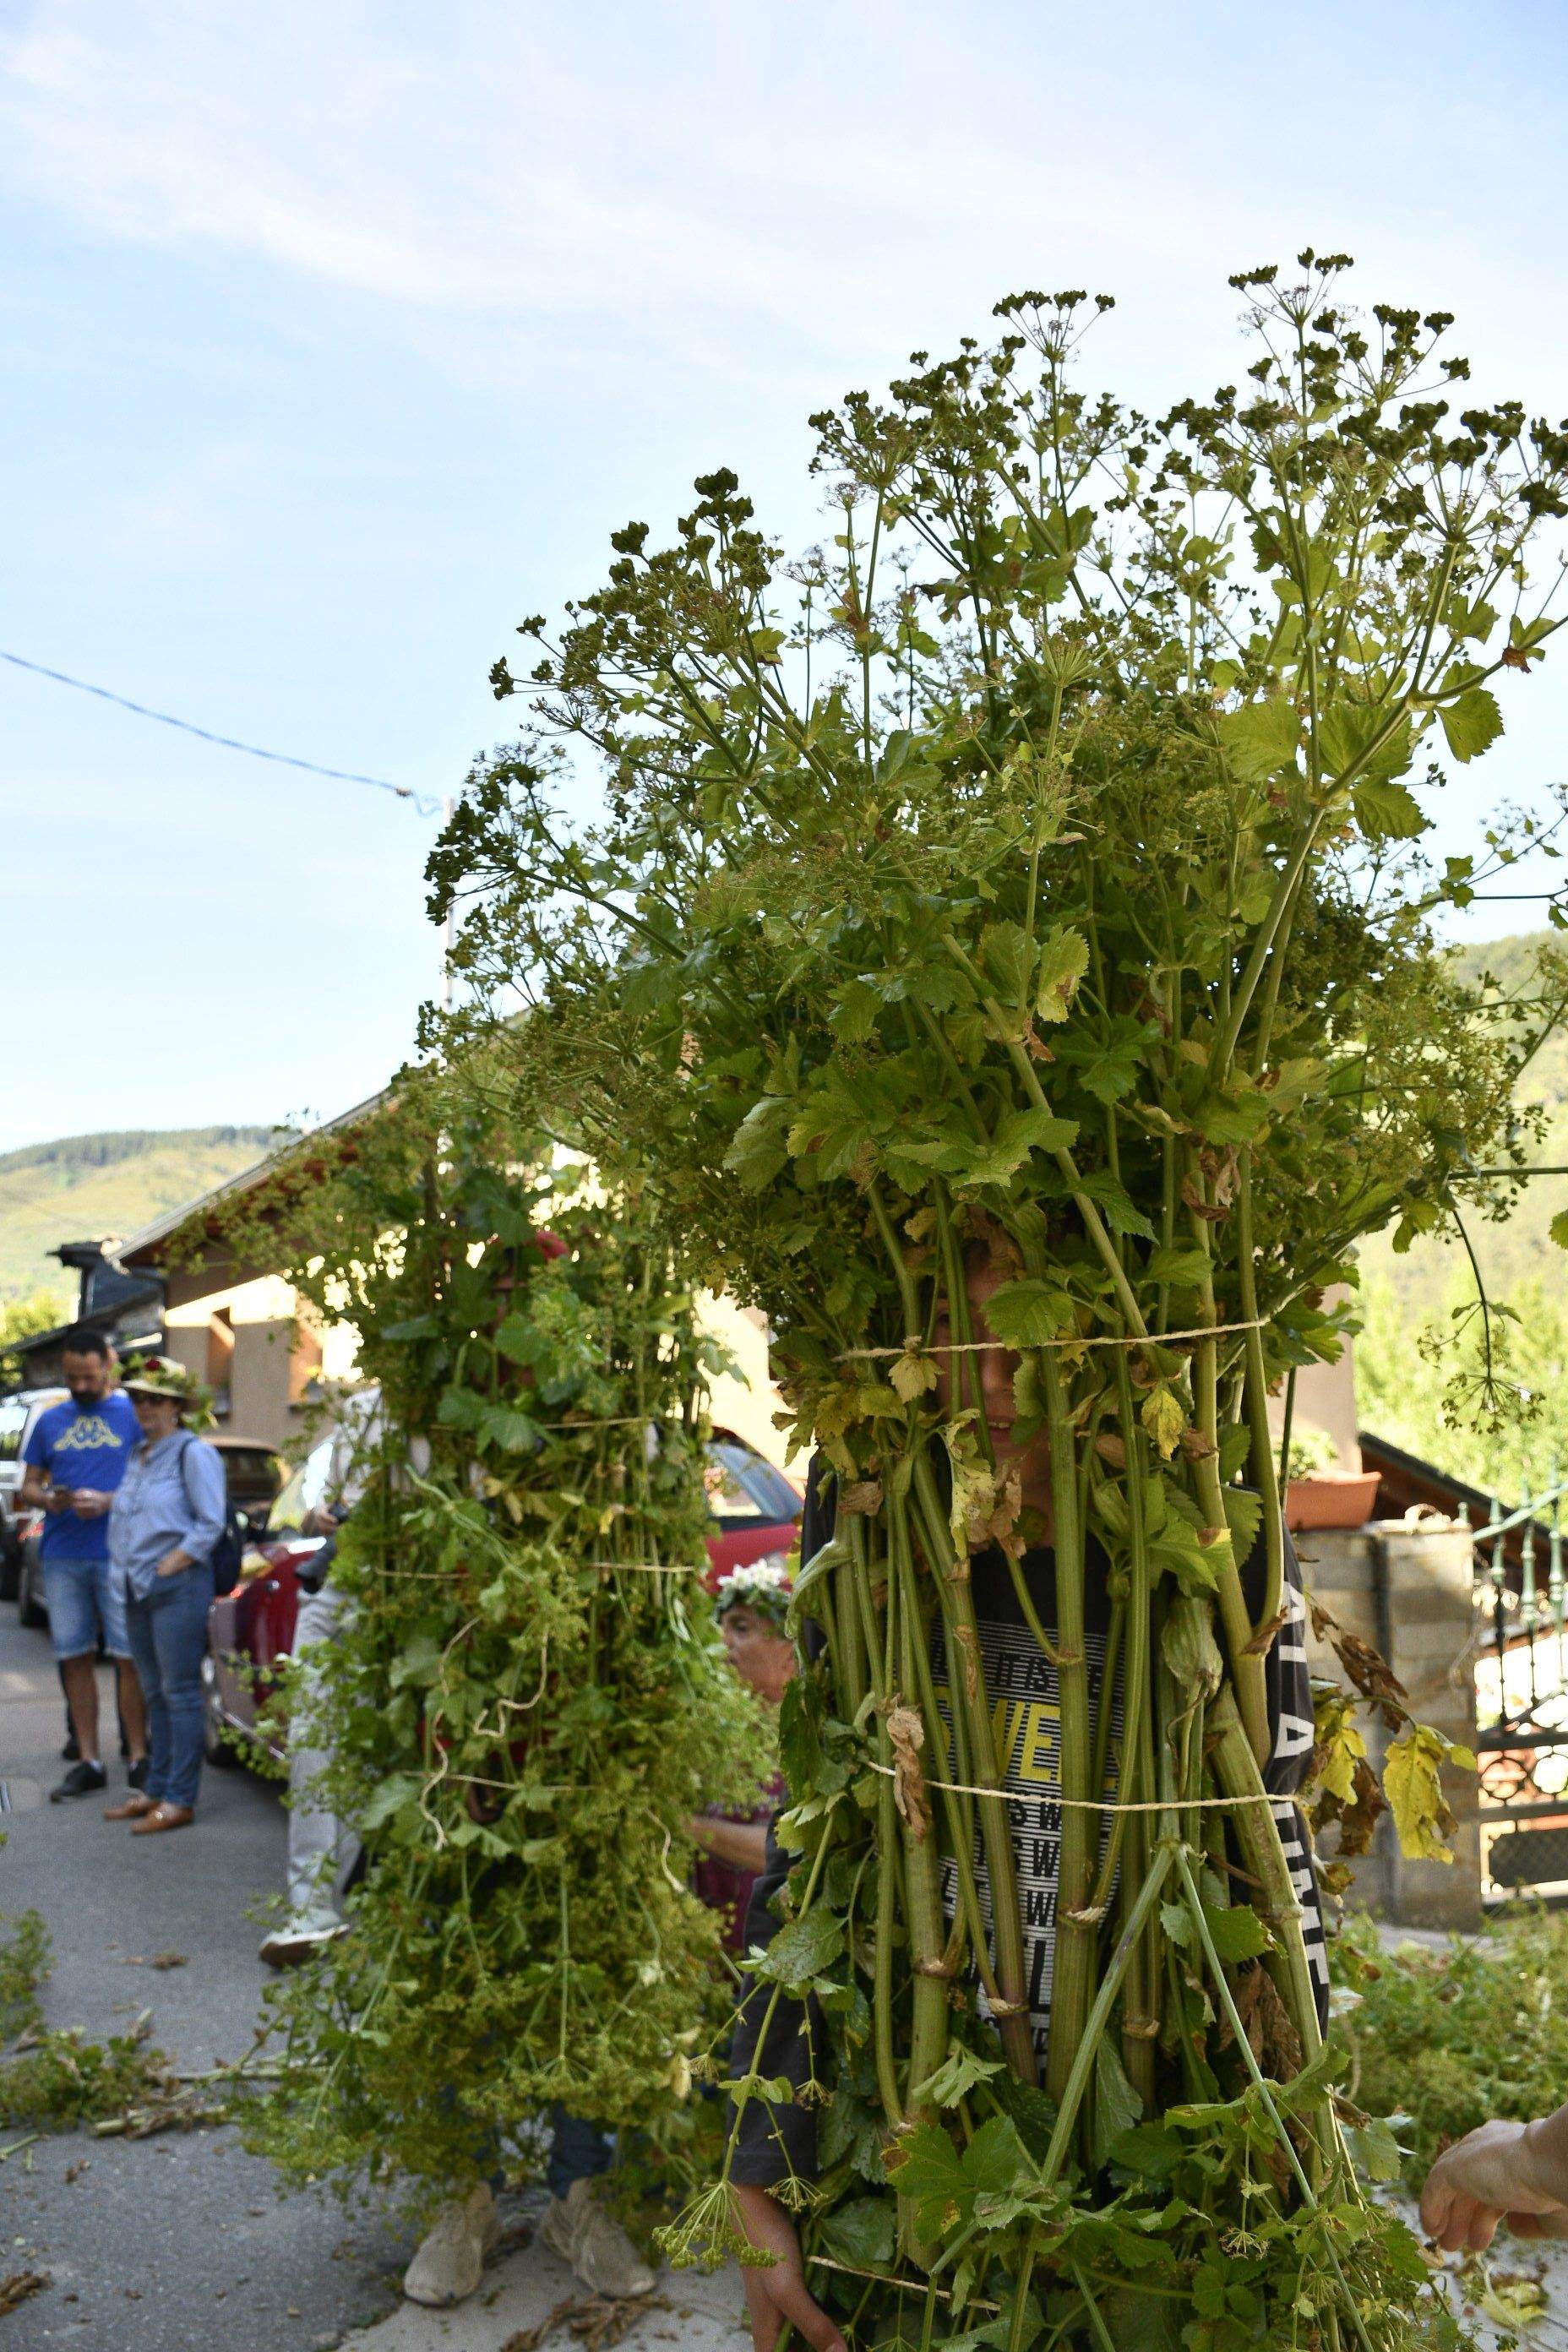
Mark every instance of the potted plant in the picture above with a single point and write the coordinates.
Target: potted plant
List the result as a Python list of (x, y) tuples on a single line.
[(1317, 1493)]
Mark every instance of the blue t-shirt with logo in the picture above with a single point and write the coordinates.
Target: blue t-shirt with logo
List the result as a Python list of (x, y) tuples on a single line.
[(82, 1445)]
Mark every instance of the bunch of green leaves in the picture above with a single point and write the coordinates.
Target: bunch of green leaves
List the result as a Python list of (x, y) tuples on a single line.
[(54, 2078), (1037, 870), (1446, 2039), (527, 1702), (24, 1953)]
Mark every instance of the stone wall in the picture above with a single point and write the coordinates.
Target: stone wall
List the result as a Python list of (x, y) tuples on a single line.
[(1407, 1589)]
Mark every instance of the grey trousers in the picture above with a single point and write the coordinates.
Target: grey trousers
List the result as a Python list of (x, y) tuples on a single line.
[(322, 1848)]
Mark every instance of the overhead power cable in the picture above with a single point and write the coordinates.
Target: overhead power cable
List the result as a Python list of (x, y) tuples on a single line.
[(422, 802)]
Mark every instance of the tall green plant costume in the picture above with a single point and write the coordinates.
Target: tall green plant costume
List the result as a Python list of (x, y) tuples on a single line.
[(1035, 869)]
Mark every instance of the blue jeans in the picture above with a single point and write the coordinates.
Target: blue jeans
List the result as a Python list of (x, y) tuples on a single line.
[(168, 1634), (579, 2152)]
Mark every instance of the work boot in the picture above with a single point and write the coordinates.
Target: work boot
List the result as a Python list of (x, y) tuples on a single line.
[(83, 1780), (450, 2262), (602, 2257)]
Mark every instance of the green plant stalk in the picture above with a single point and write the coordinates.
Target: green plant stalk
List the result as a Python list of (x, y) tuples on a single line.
[(966, 1678), (1246, 1664), (1072, 1974), (1141, 2005), (1236, 1774), (1099, 2018), (1256, 1393), (927, 1934), (1260, 2085)]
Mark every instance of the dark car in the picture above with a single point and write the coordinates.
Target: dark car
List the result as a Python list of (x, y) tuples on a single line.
[(755, 1511)]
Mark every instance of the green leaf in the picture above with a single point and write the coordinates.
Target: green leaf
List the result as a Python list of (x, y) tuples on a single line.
[(1374, 2149), (1243, 1516), (994, 2158), (758, 1152), (954, 2078), (1120, 1213), (861, 2232), (413, 1327), (1558, 1229), (1238, 1933), (803, 1950), (512, 1430), (1232, 1118), (1260, 739), (1064, 959), (1006, 956), (1387, 811), (1027, 1313), (1472, 722), (1177, 1922), (1018, 1134), (1185, 1267), (1117, 2106), (1150, 2149)]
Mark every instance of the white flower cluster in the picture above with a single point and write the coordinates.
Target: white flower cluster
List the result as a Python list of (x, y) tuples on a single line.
[(766, 1581)]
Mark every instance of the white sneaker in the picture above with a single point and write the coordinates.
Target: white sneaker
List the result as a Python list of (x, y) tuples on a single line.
[(299, 1941), (594, 2244), (450, 2262)]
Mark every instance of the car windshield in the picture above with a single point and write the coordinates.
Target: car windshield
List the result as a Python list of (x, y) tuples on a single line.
[(253, 1473), (741, 1486)]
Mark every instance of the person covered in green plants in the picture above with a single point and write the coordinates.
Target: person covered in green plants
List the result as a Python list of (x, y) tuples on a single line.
[(751, 1603), (773, 2143)]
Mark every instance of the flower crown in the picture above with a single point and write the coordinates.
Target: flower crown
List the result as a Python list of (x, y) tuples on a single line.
[(765, 1585)]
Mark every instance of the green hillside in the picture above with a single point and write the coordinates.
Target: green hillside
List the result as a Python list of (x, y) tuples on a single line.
[(1519, 1251), (84, 1186)]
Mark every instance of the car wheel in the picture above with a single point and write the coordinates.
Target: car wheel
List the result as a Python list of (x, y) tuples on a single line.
[(215, 1748), (10, 1569), (30, 1607)]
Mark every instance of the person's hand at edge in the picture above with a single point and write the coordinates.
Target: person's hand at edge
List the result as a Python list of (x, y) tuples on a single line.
[(779, 2292), (1500, 2171)]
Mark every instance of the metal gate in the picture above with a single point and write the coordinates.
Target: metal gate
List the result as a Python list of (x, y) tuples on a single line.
[(1521, 1699)]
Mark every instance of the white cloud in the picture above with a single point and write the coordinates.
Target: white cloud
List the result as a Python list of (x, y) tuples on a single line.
[(697, 181)]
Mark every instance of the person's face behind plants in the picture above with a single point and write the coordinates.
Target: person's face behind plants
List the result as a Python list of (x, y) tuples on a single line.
[(981, 1378), (764, 1658)]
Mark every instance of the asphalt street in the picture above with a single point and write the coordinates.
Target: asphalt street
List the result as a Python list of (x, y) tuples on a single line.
[(181, 2243)]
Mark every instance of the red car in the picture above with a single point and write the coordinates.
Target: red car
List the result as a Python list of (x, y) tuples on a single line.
[(756, 1511)]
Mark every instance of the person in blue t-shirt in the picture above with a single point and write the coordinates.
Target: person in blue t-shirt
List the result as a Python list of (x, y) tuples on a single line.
[(76, 1455)]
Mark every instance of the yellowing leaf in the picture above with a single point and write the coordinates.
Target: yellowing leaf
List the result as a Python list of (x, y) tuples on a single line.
[(1163, 1419), (1422, 1814), (912, 1374), (1064, 959)]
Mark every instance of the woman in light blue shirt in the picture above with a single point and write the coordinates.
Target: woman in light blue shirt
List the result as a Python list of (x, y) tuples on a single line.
[(165, 1522)]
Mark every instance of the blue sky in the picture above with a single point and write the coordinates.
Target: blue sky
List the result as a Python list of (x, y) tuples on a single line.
[(339, 337)]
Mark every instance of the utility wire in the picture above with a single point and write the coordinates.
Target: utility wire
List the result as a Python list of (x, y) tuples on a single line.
[(422, 802)]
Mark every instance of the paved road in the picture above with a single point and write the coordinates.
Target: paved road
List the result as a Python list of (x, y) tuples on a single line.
[(180, 2243)]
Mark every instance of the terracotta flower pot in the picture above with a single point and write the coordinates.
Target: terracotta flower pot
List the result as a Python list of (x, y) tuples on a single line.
[(1331, 1498)]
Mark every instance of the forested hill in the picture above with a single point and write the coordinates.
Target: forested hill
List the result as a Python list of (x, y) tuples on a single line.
[(85, 1186), (1519, 1251)]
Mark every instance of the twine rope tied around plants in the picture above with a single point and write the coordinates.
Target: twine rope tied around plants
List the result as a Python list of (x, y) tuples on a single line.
[(1095, 1804), (916, 1346)]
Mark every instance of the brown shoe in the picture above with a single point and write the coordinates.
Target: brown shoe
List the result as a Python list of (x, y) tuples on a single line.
[(129, 1807), (163, 1817)]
